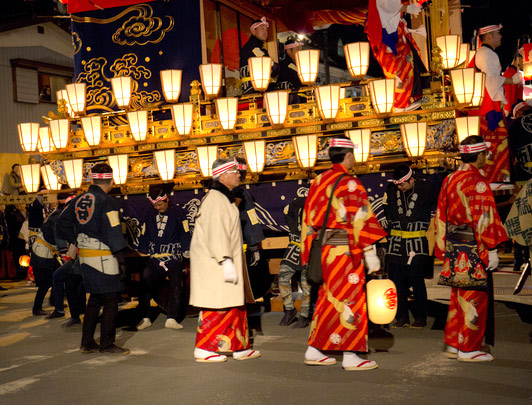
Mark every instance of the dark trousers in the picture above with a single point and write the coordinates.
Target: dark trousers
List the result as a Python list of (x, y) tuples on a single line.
[(75, 293), (406, 276), (59, 278), (153, 277), (43, 279), (109, 301)]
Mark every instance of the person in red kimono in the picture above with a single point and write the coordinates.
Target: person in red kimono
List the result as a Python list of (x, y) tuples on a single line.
[(340, 319), (468, 228)]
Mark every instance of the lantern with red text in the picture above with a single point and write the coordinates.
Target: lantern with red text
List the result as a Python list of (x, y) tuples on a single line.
[(382, 301)]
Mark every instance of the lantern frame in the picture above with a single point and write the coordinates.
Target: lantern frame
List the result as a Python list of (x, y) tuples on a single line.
[(171, 84), (28, 135), (260, 68), (164, 161), (382, 93), (122, 90), (361, 139), (73, 172), (306, 149), (120, 166), (276, 103), (328, 100), (205, 157), (357, 58), (211, 79), (450, 50), (414, 136), (255, 152), (30, 176), (307, 63)]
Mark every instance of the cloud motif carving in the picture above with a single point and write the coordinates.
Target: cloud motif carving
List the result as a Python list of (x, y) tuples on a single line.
[(143, 28)]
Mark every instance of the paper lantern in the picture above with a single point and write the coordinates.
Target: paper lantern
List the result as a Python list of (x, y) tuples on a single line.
[(211, 79), (328, 100), (382, 93), (138, 124), (467, 126), (182, 116), (414, 135), (479, 89), (31, 177), (45, 143), (24, 261), (227, 109), (276, 103), (76, 97), (259, 72), (357, 58), (450, 50), (73, 172), (463, 84), (165, 163), (382, 301), (362, 142), (119, 164), (63, 95), (171, 84), (205, 157), (307, 63), (122, 88), (28, 135), (464, 54), (51, 181), (255, 152), (60, 130), (306, 148), (92, 128)]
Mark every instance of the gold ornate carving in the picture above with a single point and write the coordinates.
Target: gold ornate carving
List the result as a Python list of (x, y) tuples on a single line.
[(82, 154), (168, 145), (249, 135), (403, 118), (339, 126), (124, 149), (222, 138), (279, 132), (193, 142), (145, 147), (308, 129), (371, 123), (77, 43), (442, 115), (102, 152)]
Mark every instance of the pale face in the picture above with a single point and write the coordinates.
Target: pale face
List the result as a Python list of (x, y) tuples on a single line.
[(161, 206), (496, 38), (261, 32), (230, 179)]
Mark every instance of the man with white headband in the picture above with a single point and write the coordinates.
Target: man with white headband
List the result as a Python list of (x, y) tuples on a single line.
[(165, 238), (468, 231), (288, 77), (219, 283), (340, 321), (255, 47), (92, 222), (408, 203)]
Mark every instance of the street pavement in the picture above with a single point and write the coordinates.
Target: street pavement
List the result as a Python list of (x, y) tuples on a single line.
[(40, 362)]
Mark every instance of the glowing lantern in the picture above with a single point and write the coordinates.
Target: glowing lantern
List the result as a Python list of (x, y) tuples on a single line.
[(122, 88), (357, 58), (463, 84), (414, 136), (464, 54), (259, 72), (30, 176), (478, 91), (211, 79), (165, 163), (450, 50), (328, 99), (138, 123), (381, 300), (205, 156), (306, 148), (382, 93), (171, 84), (362, 142), (92, 128), (45, 143), (467, 126), (60, 130), (76, 96), (119, 164), (73, 172), (255, 152), (276, 103), (51, 181), (28, 135), (24, 261), (182, 116), (308, 62), (227, 109)]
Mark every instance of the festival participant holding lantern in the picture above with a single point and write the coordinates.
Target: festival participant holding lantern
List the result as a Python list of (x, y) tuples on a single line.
[(340, 319), (468, 230)]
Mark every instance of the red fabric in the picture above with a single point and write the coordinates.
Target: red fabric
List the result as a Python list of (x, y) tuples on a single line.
[(487, 104), (513, 92), (466, 320), (7, 265), (373, 26), (79, 6), (223, 331), (340, 319), (231, 48), (346, 17), (466, 198)]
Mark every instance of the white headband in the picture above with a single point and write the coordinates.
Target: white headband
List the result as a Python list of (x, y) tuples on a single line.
[(341, 143), (474, 148), (217, 171), (160, 198), (489, 28), (406, 177), (102, 175), (258, 23)]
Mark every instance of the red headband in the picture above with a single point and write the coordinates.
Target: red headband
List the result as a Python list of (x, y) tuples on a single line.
[(406, 177), (341, 143), (216, 172), (160, 198), (242, 167), (258, 23), (474, 148), (102, 175), (489, 28)]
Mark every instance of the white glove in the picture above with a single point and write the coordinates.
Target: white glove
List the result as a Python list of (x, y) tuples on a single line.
[(255, 257), (230, 275), (413, 9), (420, 31), (372, 261), (493, 260), (516, 78)]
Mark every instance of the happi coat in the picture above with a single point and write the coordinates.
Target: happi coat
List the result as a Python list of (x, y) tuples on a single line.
[(340, 319)]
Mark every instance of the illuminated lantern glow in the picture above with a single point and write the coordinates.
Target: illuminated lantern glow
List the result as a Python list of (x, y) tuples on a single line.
[(122, 89), (276, 103), (306, 148), (450, 50), (45, 143), (60, 130), (307, 63), (205, 157), (51, 181), (463, 84), (211, 79), (467, 126), (527, 61), (414, 135), (76, 97), (464, 54), (138, 124), (227, 109), (382, 301), (259, 72), (24, 261), (182, 116), (92, 128), (73, 172), (119, 164), (255, 152), (362, 143), (478, 91), (382, 92), (28, 135), (328, 99), (165, 163), (171, 84), (30, 176), (63, 95), (357, 58)]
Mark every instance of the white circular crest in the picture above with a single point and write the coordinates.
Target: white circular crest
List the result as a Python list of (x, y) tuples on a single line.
[(335, 338), (481, 187), (351, 186), (353, 278)]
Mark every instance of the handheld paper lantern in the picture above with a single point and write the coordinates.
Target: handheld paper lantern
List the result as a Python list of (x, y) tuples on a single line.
[(382, 301), (24, 261)]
